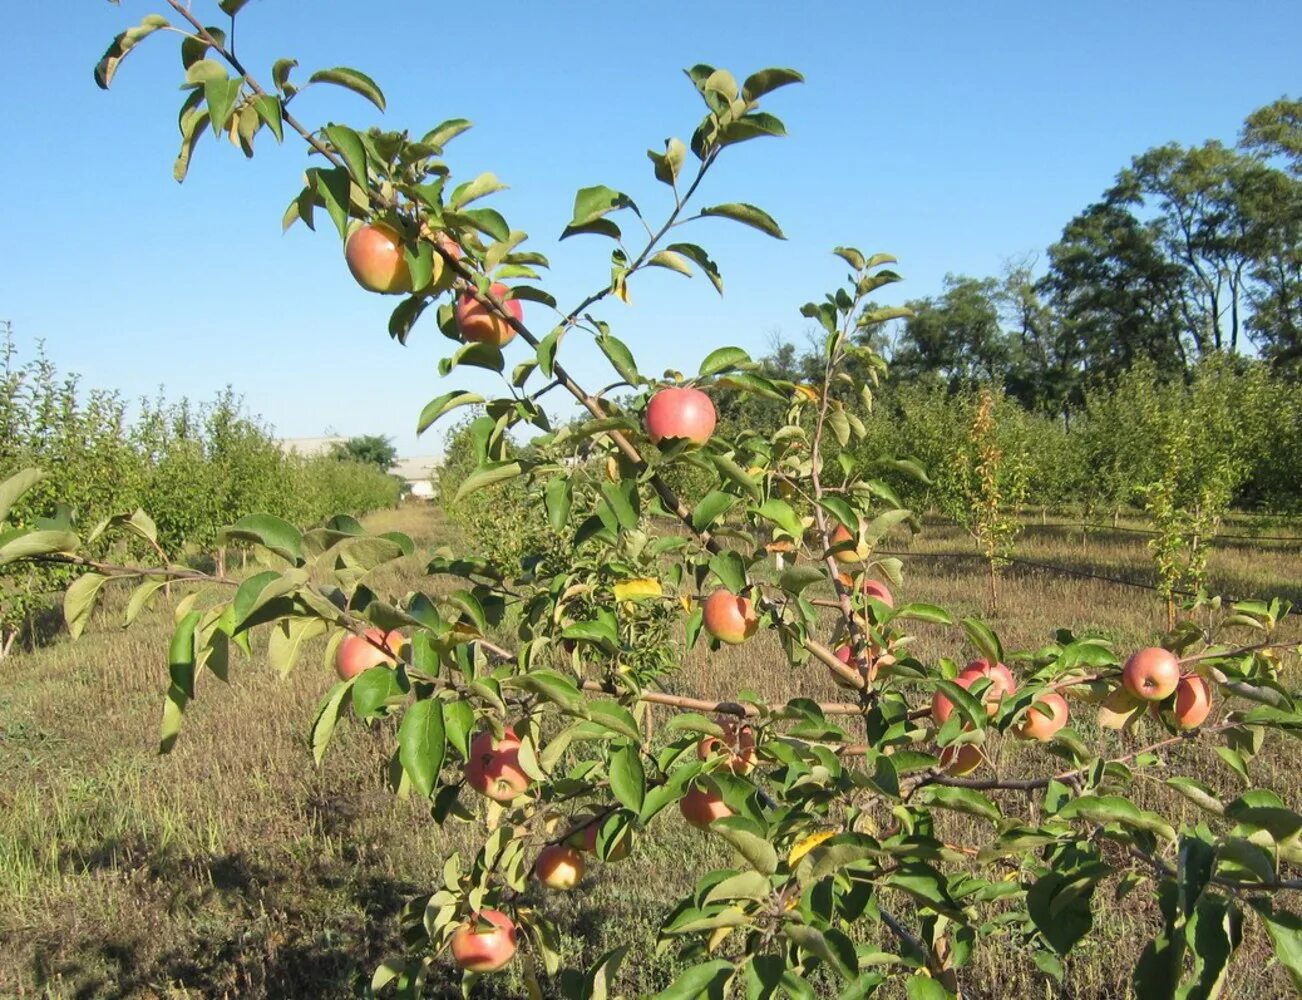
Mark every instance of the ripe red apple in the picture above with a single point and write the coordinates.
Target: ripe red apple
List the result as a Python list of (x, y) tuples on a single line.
[(702, 805), (559, 866), (1036, 725), (494, 766), (481, 325), (854, 553), (481, 950), (587, 841), (1193, 701), (1001, 684), (358, 652), (846, 655), (737, 742), (374, 254), (680, 412), (1151, 674), (1117, 708), (877, 589), (730, 618), (962, 759)]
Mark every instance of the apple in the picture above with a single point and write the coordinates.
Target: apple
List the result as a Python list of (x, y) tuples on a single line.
[(1193, 701), (1151, 674), (479, 949), (680, 412), (962, 759), (1117, 708), (559, 866), (877, 589), (374, 254), (857, 552), (494, 766), (730, 618), (481, 325), (702, 805), (587, 841), (737, 742), (442, 277), (358, 653), (1036, 725), (1001, 684), (846, 655)]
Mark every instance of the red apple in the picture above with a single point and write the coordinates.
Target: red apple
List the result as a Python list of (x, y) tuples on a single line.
[(680, 412), (1151, 674), (846, 655), (587, 841), (374, 254), (737, 742), (494, 766), (702, 805), (358, 652), (1001, 684), (730, 618), (1036, 725), (962, 759), (478, 949), (877, 589), (559, 866), (1193, 701), (482, 325), (857, 552)]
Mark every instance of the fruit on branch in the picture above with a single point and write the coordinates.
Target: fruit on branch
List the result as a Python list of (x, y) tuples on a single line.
[(702, 805), (848, 548), (877, 589), (1037, 725), (1001, 684), (494, 766), (737, 742), (1117, 708), (442, 277), (374, 254), (358, 653), (483, 949), (680, 412), (846, 655), (559, 866), (1193, 702), (480, 324), (586, 840), (962, 759), (1151, 674), (730, 618)]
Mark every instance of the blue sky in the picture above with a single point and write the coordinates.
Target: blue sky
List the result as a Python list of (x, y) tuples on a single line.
[(954, 135)]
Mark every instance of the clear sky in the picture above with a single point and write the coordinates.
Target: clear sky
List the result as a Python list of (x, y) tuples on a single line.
[(954, 135)]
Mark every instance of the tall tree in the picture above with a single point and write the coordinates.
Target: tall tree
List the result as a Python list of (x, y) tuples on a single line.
[(369, 448), (956, 335)]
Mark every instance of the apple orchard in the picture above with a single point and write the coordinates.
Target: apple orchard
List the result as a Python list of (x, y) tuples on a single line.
[(844, 875)]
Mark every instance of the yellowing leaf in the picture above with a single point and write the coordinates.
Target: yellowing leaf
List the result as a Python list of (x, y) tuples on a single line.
[(717, 938), (637, 589), (808, 392), (807, 845)]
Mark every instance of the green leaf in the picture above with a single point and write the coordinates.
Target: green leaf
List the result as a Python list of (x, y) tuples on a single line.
[(1285, 930), (376, 689), (851, 256), (351, 79), (483, 185), (435, 408), (620, 357), (925, 613), (749, 840), (756, 125), (551, 686), (920, 987), (622, 499), (487, 475), (14, 487), (180, 661), (670, 162), (709, 978), (272, 533), (780, 513), (730, 568), (627, 777), (711, 507), (30, 544), (723, 359), (122, 44), (221, 96), (79, 601), (984, 639), (749, 215), (558, 499), (327, 717), (349, 145), (731, 470), (422, 744), (280, 71), (591, 203), (966, 800), (140, 597), (767, 80), (670, 261), (798, 577), (842, 511), (702, 260), (1115, 809)]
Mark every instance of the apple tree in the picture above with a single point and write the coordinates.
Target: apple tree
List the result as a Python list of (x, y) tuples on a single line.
[(839, 814)]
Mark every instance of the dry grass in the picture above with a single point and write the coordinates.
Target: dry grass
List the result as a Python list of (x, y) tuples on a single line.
[(233, 868)]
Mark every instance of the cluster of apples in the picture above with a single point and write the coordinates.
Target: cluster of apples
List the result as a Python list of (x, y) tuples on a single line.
[(374, 254), (1152, 676)]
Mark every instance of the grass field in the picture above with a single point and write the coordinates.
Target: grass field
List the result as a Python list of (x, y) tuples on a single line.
[(235, 868)]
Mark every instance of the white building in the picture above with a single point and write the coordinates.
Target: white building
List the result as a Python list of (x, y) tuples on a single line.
[(418, 473), (310, 447)]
